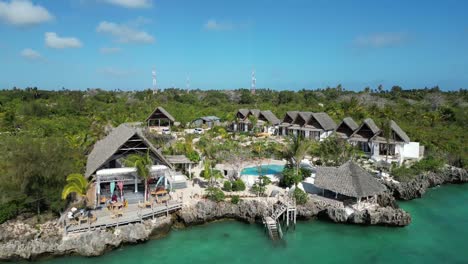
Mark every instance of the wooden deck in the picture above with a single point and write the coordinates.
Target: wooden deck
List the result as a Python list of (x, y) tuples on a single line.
[(131, 214)]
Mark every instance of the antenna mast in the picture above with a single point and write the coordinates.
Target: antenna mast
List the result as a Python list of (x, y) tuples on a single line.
[(254, 82), (155, 87)]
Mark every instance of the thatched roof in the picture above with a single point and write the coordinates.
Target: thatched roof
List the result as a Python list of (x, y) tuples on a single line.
[(255, 112), (370, 128), (244, 112), (305, 115), (158, 112), (371, 124), (397, 129), (324, 120), (105, 148), (346, 128), (270, 117), (209, 118), (348, 179), (399, 134), (350, 123), (291, 114)]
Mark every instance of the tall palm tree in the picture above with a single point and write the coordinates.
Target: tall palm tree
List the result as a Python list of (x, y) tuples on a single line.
[(387, 134), (77, 184), (142, 163), (295, 151)]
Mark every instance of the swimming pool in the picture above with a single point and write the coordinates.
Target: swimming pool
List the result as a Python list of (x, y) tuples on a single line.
[(266, 169)]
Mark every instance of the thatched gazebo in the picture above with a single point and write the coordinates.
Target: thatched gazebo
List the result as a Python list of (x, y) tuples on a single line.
[(349, 180)]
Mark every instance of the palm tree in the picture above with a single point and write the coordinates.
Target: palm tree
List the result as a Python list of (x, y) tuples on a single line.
[(209, 174), (142, 163), (77, 184), (253, 121), (295, 151), (387, 133)]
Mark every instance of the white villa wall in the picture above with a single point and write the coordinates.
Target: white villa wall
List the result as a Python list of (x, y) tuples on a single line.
[(325, 134), (411, 150)]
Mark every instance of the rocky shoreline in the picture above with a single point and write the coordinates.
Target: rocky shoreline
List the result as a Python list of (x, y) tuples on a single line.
[(419, 185), (23, 241)]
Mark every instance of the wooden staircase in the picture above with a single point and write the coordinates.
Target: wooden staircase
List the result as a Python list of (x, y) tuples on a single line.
[(283, 208)]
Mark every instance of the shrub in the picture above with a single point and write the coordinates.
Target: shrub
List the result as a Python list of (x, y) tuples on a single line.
[(215, 194), (258, 189), (300, 196), (404, 174), (227, 186), (238, 185), (290, 177), (235, 199), (429, 164), (7, 211)]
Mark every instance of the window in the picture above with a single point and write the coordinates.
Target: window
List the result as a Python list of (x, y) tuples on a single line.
[(315, 135), (383, 148), (364, 146)]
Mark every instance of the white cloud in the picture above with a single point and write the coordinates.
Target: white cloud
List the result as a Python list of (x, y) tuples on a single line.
[(381, 40), (52, 40), (131, 3), (31, 54), (110, 50), (212, 24), (124, 33), (23, 13)]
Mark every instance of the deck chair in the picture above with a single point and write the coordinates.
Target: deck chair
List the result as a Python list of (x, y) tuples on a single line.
[(119, 213)]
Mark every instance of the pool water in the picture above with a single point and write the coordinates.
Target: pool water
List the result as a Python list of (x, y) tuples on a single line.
[(265, 169)]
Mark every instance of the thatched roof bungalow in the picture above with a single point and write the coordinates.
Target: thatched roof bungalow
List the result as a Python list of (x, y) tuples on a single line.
[(349, 180), (266, 120), (346, 128), (160, 118)]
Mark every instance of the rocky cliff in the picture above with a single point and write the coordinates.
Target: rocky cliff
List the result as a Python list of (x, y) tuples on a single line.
[(254, 210), (418, 186), (22, 241)]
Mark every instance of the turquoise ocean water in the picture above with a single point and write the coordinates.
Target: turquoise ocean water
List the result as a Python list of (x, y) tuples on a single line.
[(438, 234), (266, 169)]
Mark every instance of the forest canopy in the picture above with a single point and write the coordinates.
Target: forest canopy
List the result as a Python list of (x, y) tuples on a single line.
[(45, 135)]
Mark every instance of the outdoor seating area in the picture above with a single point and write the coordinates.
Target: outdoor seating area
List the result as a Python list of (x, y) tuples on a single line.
[(119, 214)]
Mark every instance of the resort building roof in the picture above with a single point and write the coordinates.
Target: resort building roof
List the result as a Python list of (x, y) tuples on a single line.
[(348, 179), (346, 128), (178, 159), (324, 120), (242, 113), (255, 112), (263, 115), (269, 116), (397, 134), (290, 116), (160, 113), (209, 118), (367, 130), (123, 140)]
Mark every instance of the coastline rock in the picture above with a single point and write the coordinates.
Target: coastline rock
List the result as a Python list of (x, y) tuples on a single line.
[(206, 211), (419, 185), (253, 210), (19, 241)]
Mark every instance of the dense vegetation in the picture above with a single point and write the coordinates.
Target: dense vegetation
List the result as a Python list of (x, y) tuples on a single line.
[(45, 135)]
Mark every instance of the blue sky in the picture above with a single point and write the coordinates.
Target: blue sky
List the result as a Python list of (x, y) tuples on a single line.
[(114, 44)]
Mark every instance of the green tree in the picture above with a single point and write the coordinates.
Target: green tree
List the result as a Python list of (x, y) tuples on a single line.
[(296, 149), (386, 130), (142, 163), (77, 184)]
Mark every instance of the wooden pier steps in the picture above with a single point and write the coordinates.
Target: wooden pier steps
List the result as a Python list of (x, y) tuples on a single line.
[(285, 208), (272, 227)]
